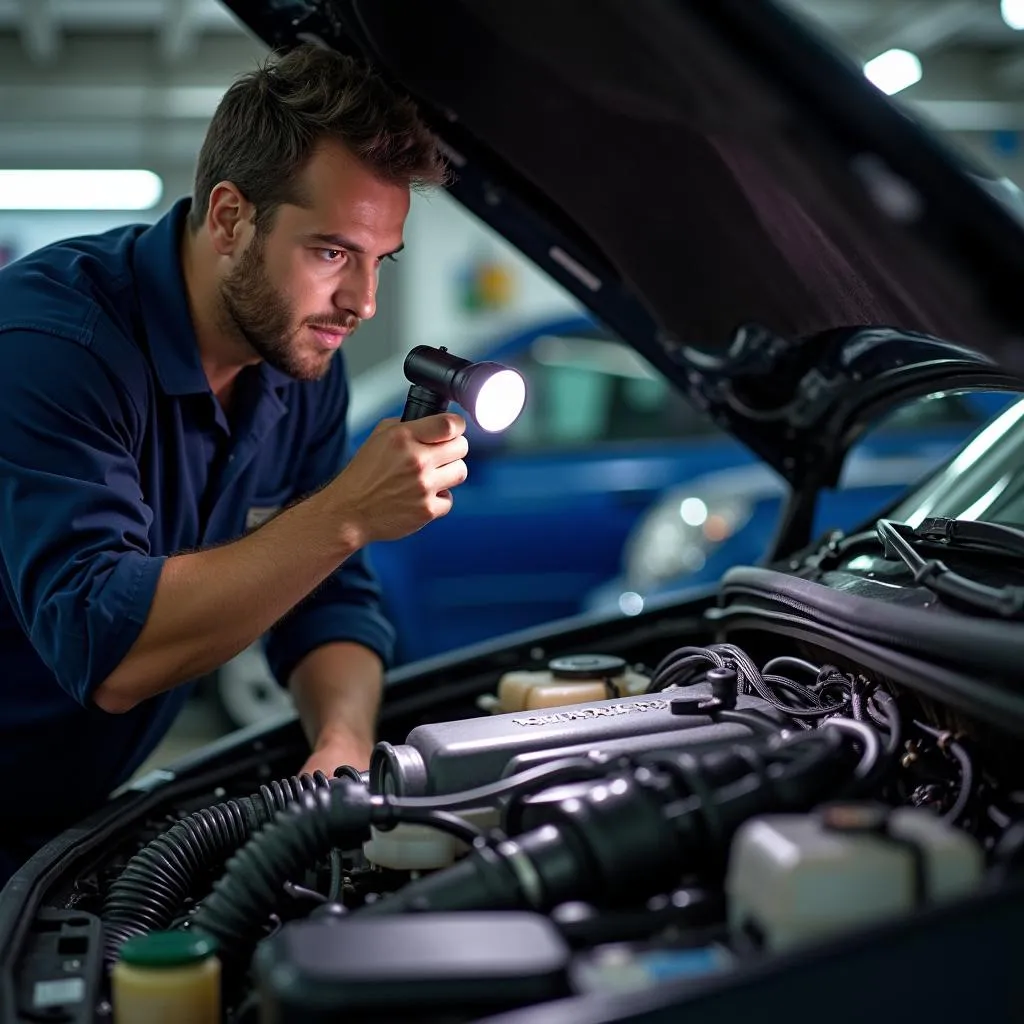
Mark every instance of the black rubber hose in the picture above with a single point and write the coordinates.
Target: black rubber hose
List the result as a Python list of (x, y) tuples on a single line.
[(955, 751), (760, 724), (871, 751), (152, 889), (237, 910)]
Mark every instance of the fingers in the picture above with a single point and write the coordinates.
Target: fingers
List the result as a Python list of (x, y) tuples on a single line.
[(446, 477), (448, 451), (442, 504), (442, 426)]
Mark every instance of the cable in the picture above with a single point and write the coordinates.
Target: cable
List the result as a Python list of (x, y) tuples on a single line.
[(966, 783), (949, 746), (745, 665), (761, 724), (302, 892), (443, 821), (799, 663), (892, 719), (682, 666), (566, 769), (872, 753), (334, 889)]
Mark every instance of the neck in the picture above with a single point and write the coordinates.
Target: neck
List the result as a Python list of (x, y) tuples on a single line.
[(222, 351)]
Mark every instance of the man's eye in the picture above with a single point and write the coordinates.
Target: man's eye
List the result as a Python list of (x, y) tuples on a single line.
[(331, 255)]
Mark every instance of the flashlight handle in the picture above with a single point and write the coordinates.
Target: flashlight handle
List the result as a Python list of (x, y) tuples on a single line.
[(422, 402)]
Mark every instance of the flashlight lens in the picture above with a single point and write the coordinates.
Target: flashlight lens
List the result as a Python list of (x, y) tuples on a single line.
[(500, 400)]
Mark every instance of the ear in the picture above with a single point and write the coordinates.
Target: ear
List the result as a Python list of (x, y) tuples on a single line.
[(229, 218)]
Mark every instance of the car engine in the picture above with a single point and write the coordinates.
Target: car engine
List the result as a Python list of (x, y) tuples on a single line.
[(583, 823)]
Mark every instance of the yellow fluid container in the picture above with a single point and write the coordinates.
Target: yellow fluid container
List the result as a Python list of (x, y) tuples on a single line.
[(575, 679), (167, 977)]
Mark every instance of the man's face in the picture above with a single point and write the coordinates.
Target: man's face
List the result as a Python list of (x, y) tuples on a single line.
[(305, 284)]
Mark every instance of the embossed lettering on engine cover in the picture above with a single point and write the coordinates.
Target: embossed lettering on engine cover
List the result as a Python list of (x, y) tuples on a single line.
[(593, 712)]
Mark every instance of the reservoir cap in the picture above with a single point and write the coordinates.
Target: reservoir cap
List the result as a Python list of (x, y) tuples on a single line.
[(168, 949)]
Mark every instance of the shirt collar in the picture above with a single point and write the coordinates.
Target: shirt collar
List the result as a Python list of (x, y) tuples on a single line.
[(171, 337)]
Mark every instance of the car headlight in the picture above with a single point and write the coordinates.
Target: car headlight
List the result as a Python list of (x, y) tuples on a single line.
[(675, 538)]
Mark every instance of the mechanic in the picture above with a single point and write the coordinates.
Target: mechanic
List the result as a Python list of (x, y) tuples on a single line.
[(175, 480)]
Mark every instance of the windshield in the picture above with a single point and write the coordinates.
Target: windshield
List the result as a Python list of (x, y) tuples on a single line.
[(983, 482)]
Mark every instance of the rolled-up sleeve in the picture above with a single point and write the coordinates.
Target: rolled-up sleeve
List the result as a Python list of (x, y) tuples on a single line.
[(347, 606), (75, 559)]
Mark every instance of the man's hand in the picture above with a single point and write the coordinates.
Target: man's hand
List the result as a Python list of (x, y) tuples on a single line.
[(401, 478), (336, 751)]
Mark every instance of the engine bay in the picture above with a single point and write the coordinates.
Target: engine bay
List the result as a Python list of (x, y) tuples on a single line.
[(611, 821)]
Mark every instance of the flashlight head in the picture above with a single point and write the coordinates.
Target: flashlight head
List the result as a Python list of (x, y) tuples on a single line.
[(491, 393), (494, 395)]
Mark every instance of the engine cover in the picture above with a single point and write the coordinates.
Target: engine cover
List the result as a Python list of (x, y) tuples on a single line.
[(447, 757)]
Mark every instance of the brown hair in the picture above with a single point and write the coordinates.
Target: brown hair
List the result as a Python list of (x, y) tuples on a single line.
[(268, 123)]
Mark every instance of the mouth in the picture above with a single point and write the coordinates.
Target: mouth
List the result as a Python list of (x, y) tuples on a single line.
[(330, 337)]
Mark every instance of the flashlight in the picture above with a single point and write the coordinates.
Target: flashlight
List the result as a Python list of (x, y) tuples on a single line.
[(492, 394)]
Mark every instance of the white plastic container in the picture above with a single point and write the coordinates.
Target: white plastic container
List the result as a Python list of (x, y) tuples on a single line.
[(794, 879), (421, 847), (576, 679)]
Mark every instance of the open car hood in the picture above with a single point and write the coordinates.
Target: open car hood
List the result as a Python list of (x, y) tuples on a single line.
[(731, 196)]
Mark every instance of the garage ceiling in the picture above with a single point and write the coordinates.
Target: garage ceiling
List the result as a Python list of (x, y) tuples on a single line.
[(132, 82)]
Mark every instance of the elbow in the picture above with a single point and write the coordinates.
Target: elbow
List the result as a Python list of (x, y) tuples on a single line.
[(110, 699), (112, 696)]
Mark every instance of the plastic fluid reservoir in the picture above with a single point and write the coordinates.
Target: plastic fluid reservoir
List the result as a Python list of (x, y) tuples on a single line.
[(574, 679), (795, 879), (167, 977)]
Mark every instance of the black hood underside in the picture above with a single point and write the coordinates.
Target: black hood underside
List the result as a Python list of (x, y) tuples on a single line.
[(688, 169)]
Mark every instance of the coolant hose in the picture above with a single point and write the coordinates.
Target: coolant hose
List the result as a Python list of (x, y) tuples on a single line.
[(237, 910), (153, 887)]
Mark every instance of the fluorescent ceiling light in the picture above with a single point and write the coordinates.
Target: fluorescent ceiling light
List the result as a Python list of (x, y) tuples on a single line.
[(1013, 13), (893, 71), (79, 190)]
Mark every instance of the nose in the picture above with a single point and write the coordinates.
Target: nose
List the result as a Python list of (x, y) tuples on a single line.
[(358, 293)]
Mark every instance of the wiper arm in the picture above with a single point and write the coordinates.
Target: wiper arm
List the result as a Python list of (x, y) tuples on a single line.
[(898, 540), (962, 532)]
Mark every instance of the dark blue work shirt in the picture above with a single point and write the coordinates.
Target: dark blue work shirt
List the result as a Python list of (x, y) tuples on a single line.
[(115, 455)]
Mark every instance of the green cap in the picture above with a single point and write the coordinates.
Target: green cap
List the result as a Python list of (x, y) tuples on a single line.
[(168, 949)]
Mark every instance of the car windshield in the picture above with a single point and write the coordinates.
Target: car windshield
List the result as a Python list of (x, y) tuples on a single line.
[(984, 481)]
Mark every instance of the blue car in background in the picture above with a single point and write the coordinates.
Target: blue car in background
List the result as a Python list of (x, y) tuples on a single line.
[(553, 507), (697, 530)]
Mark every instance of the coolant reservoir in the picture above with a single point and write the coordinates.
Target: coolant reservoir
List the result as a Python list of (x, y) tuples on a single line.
[(796, 879), (167, 977), (574, 679)]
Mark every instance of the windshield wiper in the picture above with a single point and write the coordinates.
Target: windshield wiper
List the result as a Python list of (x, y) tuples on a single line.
[(1006, 540), (898, 540)]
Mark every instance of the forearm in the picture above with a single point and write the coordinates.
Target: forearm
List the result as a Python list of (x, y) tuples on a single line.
[(337, 691), (211, 604)]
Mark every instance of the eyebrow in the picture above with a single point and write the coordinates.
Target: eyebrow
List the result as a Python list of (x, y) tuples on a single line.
[(342, 243)]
